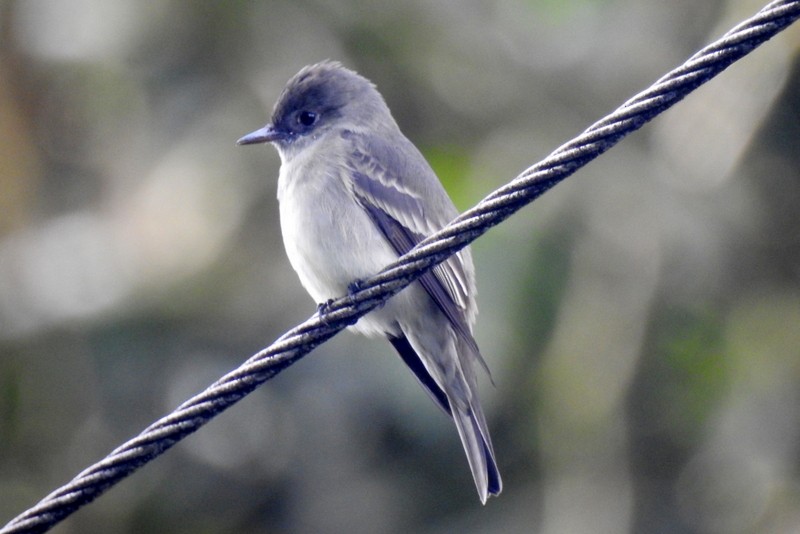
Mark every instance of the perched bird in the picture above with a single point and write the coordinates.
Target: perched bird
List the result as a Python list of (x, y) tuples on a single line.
[(355, 194)]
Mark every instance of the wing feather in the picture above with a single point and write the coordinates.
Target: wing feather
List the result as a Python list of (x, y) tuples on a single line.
[(394, 191)]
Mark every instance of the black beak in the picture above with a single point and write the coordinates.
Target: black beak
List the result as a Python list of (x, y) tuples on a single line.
[(267, 134)]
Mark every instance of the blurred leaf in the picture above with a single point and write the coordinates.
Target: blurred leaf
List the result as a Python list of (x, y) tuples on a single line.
[(451, 164)]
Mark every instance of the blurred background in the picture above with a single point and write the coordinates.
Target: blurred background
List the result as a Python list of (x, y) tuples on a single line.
[(642, 320)]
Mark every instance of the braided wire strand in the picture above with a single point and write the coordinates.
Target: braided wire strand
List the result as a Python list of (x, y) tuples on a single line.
[(492, 210)]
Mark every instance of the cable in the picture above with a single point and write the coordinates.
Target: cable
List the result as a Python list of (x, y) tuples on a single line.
[(495, 208)]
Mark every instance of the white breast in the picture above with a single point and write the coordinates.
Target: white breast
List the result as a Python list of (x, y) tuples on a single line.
[(329, 238)]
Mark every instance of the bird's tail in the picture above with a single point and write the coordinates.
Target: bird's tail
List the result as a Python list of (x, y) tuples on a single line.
[(474, 436), (461, 402)]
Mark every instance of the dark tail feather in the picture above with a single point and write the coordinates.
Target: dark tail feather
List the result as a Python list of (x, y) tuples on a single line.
[(470, 423), (495, 485), (411, 359), (479, 452)]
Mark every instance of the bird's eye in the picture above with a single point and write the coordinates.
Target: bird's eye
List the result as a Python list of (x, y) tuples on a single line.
[(307, 118)]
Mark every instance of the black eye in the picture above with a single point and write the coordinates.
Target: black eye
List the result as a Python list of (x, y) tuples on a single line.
[(307, 118)]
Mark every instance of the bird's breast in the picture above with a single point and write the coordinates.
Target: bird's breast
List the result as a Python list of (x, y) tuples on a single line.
[(329, 239)]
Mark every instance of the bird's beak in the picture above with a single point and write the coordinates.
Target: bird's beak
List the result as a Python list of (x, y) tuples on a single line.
[(267, 134)]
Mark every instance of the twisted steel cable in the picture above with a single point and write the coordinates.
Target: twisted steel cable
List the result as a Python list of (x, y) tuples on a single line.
[(495, 208)]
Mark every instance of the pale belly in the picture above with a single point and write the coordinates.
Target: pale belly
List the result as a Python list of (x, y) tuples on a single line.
[(331, 242)]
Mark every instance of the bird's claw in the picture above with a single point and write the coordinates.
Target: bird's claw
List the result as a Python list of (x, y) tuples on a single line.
[(355, 286), (324, 307)]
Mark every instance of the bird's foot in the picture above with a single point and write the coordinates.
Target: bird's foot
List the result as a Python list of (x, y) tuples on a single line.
[(355, 286), (324, 307)]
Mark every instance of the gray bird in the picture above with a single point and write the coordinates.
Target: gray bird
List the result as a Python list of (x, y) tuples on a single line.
[(354, 195)]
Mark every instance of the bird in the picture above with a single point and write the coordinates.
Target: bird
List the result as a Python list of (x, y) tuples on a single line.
[(354, 194)]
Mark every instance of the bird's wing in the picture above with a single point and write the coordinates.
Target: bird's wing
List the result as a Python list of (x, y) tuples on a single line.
[(396, 187)]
